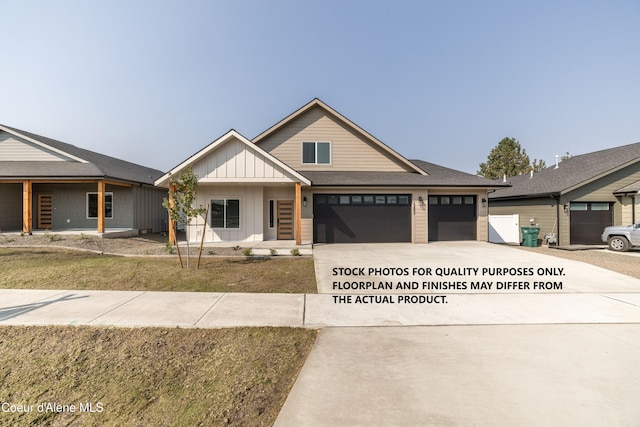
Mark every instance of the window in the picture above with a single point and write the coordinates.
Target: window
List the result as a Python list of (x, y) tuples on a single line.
[(578, 207), (599, 206), (92, 205), (225, 213), (316, 153), (271, 213)]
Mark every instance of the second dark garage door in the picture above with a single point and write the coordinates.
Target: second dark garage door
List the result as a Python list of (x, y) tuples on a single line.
[(588, 220), (361, 218), (452, 218)]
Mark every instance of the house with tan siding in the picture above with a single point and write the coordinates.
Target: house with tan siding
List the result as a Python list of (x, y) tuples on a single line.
[(47, 184), (317, 177), (576, 198)]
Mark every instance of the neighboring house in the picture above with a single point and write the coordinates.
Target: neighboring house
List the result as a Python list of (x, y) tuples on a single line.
[(575, 199), (48, 184), (316, 177)]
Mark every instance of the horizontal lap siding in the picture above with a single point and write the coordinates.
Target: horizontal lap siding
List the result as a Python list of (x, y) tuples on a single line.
[(350, 151), (17, 149)]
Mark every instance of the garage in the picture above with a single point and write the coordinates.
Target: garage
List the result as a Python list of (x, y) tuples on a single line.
[(361, 218), (452, 217), (588, 220)]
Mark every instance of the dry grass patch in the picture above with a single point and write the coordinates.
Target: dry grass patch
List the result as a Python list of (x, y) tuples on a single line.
[(53, 268), (150, 376)]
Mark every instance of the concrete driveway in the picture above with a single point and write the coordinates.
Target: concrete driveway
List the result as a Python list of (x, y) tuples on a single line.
[(508, 354), (463, 283)]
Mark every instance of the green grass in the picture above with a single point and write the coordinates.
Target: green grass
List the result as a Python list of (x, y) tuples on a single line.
[(51, 268), (150, 376)]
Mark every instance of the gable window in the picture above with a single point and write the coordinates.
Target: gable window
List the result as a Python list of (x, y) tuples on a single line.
[(92, 205), (316, 153), (225, 213)]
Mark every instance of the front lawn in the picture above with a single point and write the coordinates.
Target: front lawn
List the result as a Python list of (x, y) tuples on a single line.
[(51, 268), (94, 376)]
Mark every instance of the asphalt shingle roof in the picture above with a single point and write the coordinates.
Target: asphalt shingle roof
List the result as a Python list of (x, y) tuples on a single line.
[(99, 165), (571, 172), (439, 176)]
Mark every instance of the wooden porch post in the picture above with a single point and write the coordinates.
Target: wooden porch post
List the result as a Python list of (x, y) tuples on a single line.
[(101, 213), (27, 206), (172, 225), (298, 214)]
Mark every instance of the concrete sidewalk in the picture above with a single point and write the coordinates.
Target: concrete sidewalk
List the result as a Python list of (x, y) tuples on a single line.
[(217, 310), (162, 309)]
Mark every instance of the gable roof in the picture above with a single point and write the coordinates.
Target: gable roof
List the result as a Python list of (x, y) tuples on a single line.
[(83, 163), (571, 173), (437, 176), (631, 188), (229, 136), (357, 129)]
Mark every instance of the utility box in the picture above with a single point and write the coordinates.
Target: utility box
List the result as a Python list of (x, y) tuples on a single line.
[(530, 236)]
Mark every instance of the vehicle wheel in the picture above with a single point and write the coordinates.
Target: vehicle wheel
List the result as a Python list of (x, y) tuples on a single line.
[(618, 244)]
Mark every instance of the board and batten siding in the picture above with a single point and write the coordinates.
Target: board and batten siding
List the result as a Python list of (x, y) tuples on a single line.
[(13, 148), (251, 216), (235, 160), (10, 207), (148, 212), (350, 151)]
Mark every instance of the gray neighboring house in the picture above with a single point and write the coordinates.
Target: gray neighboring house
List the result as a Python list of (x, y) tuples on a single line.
[(576, 198), (48, 184)]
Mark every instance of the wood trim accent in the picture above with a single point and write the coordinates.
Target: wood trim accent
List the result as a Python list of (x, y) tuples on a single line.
[(101, 213), (27, 206), (121, 184), (298, 214), (172, 223)]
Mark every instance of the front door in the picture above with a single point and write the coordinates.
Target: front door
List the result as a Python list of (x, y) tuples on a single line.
[(285, 220), (45, 210)]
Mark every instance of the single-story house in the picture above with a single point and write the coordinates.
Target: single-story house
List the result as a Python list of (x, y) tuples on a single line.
[(317, 177), (576, 198), (50, 185)]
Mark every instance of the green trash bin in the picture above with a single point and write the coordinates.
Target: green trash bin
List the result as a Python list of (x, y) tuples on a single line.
[(530, 236)]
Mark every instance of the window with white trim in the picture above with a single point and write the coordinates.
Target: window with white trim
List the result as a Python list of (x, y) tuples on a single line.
[(225, 213), (92, 205), (316, 153)]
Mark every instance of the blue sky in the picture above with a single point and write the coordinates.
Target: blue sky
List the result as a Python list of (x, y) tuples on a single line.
[(442, 81)]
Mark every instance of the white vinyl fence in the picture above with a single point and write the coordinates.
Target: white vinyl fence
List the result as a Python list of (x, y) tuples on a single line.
[(504, 228)]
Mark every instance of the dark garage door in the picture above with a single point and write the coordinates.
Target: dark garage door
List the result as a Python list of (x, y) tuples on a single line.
[(361, 218), (588, 220), (452, 218)]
